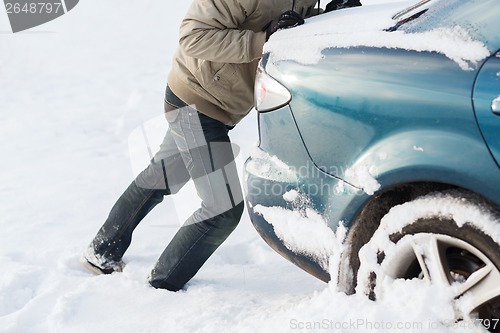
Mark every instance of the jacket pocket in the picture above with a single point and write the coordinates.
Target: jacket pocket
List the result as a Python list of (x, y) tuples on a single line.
[(216, 77)]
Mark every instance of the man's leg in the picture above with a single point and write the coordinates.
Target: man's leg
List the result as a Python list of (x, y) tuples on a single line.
[(205, 147), (142, 195)]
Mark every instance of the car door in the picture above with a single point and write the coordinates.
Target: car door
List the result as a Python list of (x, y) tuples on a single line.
[(486, 100)]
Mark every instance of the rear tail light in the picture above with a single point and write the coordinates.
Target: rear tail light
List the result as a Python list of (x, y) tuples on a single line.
[(269, 93)]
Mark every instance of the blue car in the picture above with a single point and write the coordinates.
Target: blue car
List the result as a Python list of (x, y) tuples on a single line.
[(379, 149)]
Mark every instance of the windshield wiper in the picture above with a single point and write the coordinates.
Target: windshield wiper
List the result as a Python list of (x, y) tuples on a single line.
[(406, 20), (409, 9)]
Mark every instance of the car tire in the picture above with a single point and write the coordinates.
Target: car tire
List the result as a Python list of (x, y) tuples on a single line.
[(443, 238)]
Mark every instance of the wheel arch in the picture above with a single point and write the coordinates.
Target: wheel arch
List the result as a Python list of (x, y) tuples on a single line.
[(430, 156)]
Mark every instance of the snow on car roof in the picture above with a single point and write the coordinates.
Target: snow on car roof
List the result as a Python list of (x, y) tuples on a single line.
[(366, 26)]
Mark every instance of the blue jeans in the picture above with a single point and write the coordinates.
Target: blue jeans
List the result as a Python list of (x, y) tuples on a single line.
[(195, 147)]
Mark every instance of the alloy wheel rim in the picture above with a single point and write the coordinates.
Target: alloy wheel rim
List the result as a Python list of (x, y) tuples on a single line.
[(450, 262)]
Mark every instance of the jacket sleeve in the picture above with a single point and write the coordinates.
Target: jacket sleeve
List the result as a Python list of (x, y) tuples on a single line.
[(212, 31)]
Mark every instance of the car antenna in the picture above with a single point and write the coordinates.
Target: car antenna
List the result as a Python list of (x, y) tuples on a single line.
[(293, 5)]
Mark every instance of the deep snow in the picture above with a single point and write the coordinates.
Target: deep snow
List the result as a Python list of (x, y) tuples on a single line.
[(73, 93)]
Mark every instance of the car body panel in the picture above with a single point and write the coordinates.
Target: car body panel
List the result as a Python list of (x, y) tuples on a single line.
[(487, 103), (268, 178), (390, 113)]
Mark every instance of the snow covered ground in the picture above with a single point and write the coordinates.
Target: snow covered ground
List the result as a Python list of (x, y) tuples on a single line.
[(72, 93)]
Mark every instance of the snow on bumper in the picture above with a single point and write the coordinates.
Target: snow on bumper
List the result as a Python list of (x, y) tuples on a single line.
[(288, 209)]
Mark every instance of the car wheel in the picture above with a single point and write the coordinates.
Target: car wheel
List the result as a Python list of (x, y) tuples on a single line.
[(451, 240)]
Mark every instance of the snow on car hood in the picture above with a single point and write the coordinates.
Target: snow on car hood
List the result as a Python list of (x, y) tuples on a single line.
[(364, 26)]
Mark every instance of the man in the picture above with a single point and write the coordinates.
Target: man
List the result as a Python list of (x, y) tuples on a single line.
[(210, 89)]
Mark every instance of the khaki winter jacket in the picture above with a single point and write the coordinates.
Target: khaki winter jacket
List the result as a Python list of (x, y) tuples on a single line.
[(220, 44)]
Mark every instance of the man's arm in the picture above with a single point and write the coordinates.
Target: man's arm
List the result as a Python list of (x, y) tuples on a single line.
[(210, 31)]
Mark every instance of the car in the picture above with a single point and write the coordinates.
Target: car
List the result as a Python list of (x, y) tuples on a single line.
[(379, 149)]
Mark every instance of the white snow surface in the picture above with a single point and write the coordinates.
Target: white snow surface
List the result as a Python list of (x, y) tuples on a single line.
[(364, 26), (459, 209), (305, 233), (72, 91), (364, 175), (270, 167)]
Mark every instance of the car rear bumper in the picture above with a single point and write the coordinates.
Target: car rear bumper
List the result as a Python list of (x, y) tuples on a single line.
[(297, 215), (267, 181), (295, 206)]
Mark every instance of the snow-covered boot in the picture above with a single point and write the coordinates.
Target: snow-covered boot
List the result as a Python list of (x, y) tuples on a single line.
[(99, 265)]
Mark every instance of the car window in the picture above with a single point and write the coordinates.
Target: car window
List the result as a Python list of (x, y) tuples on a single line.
[(478, 17)]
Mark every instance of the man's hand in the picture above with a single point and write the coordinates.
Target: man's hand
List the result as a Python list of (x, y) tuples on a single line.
[(288, 19), (341, 4)]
